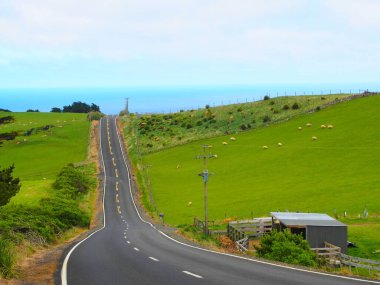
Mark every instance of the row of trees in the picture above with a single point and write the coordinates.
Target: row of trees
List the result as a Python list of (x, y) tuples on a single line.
[(77, 107)]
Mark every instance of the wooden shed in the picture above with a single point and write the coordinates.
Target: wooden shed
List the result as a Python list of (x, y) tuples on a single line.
[(315, 228)]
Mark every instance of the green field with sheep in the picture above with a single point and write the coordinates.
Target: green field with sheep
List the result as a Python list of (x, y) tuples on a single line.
[(44, 144), (327, 161)]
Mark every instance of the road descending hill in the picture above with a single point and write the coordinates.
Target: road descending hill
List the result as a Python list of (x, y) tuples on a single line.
[(328, 161)]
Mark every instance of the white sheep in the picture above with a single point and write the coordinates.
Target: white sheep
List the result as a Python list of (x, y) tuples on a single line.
[(300, 128), (308, 124), (314, 138), (279, 144), (330, 126), (233, 138), (265, 147), (189, 204), (225, 143), (323, 126)]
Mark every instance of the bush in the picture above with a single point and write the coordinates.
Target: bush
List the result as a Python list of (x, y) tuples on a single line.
[(286, 247), (72, 181), (295, 106), (189, 126), (266, 97), (271, 103), (94, 116), (266, 119), (285, 107), (243, 127)]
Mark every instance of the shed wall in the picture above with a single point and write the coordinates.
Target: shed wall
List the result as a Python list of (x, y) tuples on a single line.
[(317, 235)]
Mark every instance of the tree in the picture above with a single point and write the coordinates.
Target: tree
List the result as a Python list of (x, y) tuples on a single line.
[(33, 111), (7, 120), (9, 186), (80, 107), (56, 110)]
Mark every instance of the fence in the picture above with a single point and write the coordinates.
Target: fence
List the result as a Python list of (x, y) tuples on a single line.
[(330, 252), (352, 261), (238, 230), (334, 255)]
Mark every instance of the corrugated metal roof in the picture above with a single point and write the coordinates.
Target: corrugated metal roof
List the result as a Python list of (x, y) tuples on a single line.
[(306, 219)]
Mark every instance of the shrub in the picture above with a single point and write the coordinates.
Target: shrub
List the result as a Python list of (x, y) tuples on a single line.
[(318, 108), (72, 180), (189, 126), (199, 123), (266, 97), (266, 119), (285, 107), (271, 103), (7, 120), (286, 247), (207, 106), (243, 127), (94, 116), (239, 109), (295, 106)]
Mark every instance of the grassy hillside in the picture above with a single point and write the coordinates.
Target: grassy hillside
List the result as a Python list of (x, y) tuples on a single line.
[(157, 131), (39, 157), (43, 212), (336, 171)]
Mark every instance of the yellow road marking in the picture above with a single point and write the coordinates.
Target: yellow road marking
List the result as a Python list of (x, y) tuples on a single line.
[(116, 174), (118, 209)]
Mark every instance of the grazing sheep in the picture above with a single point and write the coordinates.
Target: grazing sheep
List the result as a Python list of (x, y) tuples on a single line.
[(233, 138), (189, 204), (323, 126), (314, 138), (308, 125), (279, 144), (265, 147), (178, 166), (300, 128), (225, 143), (330, 126)]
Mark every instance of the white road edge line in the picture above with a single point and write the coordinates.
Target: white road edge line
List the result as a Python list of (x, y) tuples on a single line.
[(128, 242), (192, 274), (64, 265), (227, 254), (154, 259), (135, 248)]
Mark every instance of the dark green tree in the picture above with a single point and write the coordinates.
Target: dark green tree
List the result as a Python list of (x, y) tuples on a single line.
[(80, 107), (56, 110), (9, 186)]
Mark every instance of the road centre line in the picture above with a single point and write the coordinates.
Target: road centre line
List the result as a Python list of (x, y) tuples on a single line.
[(154, 259), (135, 248), (192, 274)]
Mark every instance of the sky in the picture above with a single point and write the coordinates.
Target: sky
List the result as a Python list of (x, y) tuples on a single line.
[(90, 43)]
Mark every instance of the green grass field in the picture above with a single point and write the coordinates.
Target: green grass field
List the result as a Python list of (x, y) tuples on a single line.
[(160, 131), (337, 172), (38, 158)]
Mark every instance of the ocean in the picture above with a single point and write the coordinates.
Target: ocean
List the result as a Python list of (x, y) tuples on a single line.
[(158, 99)]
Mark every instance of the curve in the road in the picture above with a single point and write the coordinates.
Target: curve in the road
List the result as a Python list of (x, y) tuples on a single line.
[(130, 250)]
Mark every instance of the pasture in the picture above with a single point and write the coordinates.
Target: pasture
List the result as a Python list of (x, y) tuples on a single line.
[(317, 169), (40, 156)]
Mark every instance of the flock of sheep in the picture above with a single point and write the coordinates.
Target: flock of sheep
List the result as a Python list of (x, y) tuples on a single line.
[(280, 143)]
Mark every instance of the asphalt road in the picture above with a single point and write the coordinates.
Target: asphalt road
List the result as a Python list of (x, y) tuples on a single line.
[(129, 250)]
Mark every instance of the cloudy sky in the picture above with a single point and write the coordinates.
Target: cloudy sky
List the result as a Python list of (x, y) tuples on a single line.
[(50, 43)]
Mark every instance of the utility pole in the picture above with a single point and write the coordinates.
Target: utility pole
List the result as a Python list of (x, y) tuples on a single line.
[(126, 106), (205, 174)]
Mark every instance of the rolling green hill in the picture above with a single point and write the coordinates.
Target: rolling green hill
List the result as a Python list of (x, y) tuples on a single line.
[(336, 171), (40, 156)]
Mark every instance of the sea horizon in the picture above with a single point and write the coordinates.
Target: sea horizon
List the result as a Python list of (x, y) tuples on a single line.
[(161, 99)]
